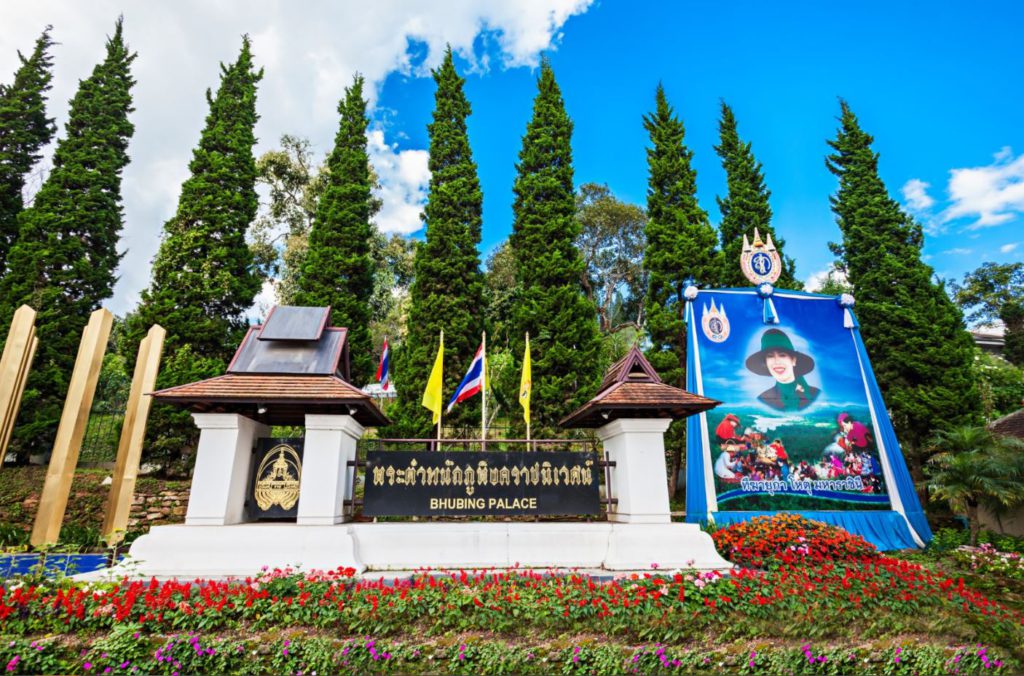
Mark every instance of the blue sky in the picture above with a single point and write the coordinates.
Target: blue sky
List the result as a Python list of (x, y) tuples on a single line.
[(939, 86)]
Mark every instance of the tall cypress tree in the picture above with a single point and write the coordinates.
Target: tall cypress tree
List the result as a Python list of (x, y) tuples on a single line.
[(680, 245), (745, 207), (64, 259), (204, 276), (551, 305), (915, 335), (448, 288), (24, 130), (338, 270)]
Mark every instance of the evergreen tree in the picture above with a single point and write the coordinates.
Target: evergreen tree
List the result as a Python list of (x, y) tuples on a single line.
[(24, 131), (448, 289), (680, 245), (551, 305), (204, 276), (64, 259), (921, 353), (745, 207), (338, 269), (680, 239)]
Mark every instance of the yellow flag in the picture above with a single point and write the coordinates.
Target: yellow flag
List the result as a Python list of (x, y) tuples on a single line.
[(432, 395), (526, 383)]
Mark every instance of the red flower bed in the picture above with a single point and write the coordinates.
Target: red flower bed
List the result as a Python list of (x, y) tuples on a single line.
[(641, 606), (766, 541)]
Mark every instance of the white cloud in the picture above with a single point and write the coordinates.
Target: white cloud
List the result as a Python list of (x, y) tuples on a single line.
[(1007, 248), (309, 56), (817, 279), (404, 179), (992, 194), (915, 192), (265, 299), (958, 251)]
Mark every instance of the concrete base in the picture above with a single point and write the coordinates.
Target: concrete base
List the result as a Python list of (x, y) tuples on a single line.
[(241, 550)]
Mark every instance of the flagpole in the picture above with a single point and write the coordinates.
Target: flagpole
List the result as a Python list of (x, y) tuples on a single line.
[(483, 395), (440, 410)]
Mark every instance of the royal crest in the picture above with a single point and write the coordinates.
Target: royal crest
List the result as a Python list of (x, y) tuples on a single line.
[(760, 261), (715, 323), (277, 479)]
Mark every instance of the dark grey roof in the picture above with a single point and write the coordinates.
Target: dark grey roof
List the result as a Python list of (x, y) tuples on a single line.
[(306, 357), (290, 322)]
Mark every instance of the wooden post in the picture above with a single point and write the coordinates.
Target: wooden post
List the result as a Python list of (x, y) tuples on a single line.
[(73, 420), (133, 433), (19, 350)]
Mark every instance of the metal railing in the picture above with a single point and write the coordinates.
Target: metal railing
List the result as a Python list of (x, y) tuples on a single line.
[(579, 445)]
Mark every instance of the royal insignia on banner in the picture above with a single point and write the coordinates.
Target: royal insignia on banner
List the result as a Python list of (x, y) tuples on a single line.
[(715, 323), (276, 481), (760, 261)]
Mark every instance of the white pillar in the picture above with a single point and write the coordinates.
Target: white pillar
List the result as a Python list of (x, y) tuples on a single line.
[(638, 479), (327, 480), (221, 476)]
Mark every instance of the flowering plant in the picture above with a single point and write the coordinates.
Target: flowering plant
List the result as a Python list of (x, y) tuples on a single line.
[(989, 560), (766, 541)]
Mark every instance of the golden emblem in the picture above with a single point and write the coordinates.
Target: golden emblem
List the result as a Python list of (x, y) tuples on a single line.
[(278, 476), (760, 261)]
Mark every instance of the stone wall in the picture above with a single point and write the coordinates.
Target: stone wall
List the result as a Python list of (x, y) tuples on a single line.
[(159, 509)]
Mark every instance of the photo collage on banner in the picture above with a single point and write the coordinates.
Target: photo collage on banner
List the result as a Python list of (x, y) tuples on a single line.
[(794, 430)]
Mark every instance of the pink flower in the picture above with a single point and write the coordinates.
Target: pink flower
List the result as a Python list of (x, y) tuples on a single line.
[(13, 664)]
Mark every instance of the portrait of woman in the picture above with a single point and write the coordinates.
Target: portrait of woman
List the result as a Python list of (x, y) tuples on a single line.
[(780, 360)]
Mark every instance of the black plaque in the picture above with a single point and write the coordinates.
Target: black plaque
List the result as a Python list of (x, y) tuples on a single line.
[(276, 473), (424, 483)]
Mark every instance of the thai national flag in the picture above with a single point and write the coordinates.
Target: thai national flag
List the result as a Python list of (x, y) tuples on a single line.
[(473, 381), (383, 374)]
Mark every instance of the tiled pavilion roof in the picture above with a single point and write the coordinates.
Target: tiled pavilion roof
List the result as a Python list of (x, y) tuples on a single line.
[(632, 389), (292, 365), (285, 398)]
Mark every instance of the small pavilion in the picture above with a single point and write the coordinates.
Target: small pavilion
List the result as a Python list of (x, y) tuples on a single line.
[(632, 411)]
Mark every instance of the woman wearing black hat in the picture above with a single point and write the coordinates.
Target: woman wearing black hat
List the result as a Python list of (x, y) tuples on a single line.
[(778, 359)]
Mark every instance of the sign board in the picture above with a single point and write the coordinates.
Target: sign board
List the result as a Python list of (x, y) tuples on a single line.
[(277, 471), (795, 429), (484, 483)]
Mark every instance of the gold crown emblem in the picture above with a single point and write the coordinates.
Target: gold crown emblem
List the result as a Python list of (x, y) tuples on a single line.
[(760, 261)]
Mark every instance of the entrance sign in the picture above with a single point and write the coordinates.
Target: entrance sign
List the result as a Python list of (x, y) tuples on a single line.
[(284, 374), (802, 425), (486, 483)]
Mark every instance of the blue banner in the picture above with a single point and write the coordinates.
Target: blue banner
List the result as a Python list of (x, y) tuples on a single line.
[(800, 427)]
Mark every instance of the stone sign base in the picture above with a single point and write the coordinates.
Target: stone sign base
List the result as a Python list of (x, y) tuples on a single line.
[(190, 551)]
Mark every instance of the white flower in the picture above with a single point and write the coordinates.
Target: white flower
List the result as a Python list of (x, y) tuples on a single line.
[(690, 292)]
